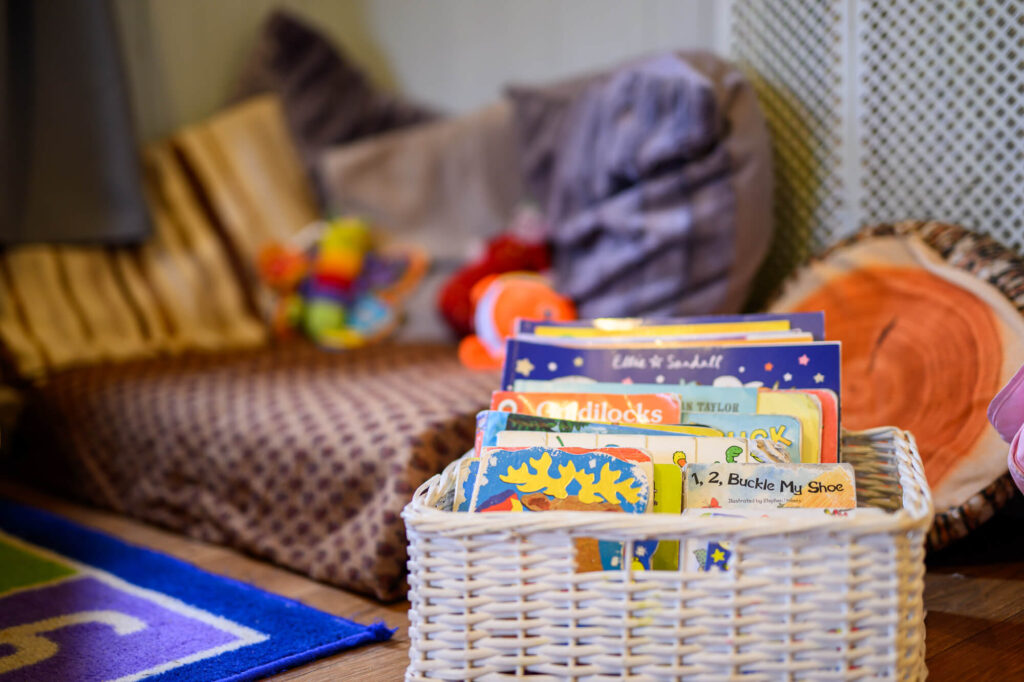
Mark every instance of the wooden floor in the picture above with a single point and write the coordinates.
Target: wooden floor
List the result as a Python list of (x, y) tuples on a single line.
[(974, 593)]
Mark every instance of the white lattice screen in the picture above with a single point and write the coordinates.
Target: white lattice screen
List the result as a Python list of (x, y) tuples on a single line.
[(884, 110)]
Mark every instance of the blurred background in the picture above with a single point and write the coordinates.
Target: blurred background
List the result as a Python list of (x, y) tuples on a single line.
[(200, 196), (183, 58)]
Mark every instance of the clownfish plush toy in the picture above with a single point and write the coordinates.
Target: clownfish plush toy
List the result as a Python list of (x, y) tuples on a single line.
[(498, 301)]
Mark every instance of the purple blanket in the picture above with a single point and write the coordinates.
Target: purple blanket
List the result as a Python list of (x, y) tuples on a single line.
[(656, 181)]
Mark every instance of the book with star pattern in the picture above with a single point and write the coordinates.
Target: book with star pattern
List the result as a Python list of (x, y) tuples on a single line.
[(812, 365)]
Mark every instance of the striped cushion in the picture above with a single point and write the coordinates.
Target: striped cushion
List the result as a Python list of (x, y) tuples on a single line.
[(217, 191)]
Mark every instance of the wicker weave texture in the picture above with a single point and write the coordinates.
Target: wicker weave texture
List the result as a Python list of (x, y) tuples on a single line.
[(496, 597)]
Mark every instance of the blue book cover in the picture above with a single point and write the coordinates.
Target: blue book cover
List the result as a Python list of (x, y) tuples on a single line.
[(796, 365), (467, 481), (489, 423), (540, 478), (813, 322)]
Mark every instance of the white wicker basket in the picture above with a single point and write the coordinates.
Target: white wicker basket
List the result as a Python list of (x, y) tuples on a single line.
[(495, 596)]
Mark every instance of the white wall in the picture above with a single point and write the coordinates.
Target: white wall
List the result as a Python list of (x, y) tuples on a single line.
[(183, 56), (459, 53)]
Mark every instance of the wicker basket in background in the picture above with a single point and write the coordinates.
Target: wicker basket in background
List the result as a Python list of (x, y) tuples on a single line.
[(496, 596)]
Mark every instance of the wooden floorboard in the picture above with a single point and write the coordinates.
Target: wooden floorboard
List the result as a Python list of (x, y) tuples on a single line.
[(995, 652), (974, 594)]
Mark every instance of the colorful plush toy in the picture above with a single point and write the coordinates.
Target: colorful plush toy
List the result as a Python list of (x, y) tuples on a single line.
[(498, 301), (342, 292)]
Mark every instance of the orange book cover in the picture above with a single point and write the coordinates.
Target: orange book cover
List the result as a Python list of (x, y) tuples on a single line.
[(647, 408), (829, 423)]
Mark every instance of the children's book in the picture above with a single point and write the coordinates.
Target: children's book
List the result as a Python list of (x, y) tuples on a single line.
[(778, 428), (829, 403), (673, 340), (674, 329), (734, 406), (806, 409), (667, 472), (668, 499), (567, 479), (465, 481), (572, 479), (669, 454), (692, 398), (798, 365), (663, 448), (650, 408), (490, 422), (812, 322), (765, 486)]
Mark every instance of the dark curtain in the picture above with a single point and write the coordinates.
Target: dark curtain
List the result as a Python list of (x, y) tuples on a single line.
[(69, 167)]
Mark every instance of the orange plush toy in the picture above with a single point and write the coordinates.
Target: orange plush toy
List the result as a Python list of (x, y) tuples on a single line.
[(505, 253), (498, 301)]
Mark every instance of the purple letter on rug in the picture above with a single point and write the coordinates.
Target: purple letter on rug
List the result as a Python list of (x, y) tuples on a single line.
[(89, 629)]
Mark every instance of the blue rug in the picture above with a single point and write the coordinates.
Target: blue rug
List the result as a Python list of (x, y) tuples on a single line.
[(76, 604)]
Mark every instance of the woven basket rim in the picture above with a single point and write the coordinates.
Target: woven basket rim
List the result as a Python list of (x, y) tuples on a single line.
[(421, 516)]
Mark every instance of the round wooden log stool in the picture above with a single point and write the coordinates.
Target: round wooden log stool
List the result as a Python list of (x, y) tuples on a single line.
[(929, 316)]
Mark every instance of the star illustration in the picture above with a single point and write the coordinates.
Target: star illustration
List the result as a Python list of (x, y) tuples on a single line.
[(819, 377), (552, 366), (768, 366), (641, 551), (742, 369), (803, 359), (577, 361), (524, 367), (717, 556), (787, 376)]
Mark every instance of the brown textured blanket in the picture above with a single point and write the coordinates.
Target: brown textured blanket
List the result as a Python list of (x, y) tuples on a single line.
[(298, 456)]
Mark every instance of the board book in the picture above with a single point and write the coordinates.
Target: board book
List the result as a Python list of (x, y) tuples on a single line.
[(649, 408), (540, 479), (692, 398), (798, 365), (778, 428), (811, 322), (764, 486), (491, 422)]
